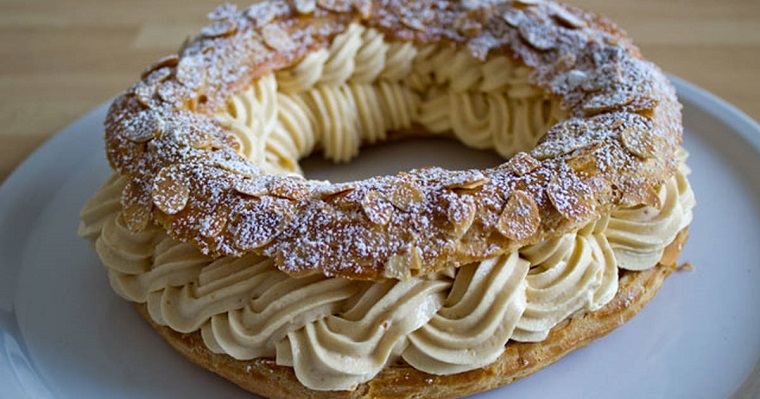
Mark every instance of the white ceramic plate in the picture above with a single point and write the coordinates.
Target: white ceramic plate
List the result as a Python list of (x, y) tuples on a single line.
[(64, 334)]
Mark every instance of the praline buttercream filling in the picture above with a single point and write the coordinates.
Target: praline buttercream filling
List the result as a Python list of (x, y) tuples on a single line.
[(337, 333)]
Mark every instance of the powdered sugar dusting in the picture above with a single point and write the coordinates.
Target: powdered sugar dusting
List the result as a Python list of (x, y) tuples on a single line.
[(161, 135)]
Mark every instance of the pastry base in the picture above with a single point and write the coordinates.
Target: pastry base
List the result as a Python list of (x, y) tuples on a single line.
[(264, 377)]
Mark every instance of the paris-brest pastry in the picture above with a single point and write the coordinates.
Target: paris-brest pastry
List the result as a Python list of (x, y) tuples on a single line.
[(427, 283)]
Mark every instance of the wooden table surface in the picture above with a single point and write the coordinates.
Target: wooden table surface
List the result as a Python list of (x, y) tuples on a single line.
[(62, 58)]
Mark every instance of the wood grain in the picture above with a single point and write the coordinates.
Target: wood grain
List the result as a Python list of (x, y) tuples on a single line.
[(63, 58)]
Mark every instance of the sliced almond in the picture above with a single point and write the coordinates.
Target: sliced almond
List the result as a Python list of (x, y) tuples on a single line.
[(399, 266), (377, 209), (520, 218), (513, 17), (255, 187), (143, 128), (571, 197), (169, 193), (163, 62), (255, 228), (288, 187), (305, 6), (225, 27), (641, 195), (335, 5), (567, 19), (158, 76), (466, 180), (277, 38), (212, 225), (336, 189), (540, 36), (644, 143), (606, 103), (461, 213), (173, 93), (232, 162), (522, 164), (144, 94), (191, 72), (405, 194), (261, 13), (412, 23), (137, 208)]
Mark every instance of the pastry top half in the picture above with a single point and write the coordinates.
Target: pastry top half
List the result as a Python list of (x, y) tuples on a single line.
[(184, 170)]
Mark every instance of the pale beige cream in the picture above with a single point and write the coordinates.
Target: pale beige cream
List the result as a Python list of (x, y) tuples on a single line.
[(361, 87), (338, 333)]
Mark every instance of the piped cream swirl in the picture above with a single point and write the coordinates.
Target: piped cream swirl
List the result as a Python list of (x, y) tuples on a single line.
[(338, 333), (362, 86)]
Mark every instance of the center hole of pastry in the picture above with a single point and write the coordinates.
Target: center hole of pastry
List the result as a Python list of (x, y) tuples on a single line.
[(396, 156)]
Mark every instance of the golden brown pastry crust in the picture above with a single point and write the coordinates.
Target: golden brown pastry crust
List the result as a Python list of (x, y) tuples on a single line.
[(520, 359), (184, 172)]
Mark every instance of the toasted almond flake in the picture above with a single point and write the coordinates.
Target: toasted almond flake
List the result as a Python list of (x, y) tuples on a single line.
[(585, 163), (158, 76), (288, 187), (461, 213), (513, 17), (540, 36), (571, 197), (335, 5), (169, 193), (173, 93), (413, 23), (255, 229), (643, 103), (405, 194), (644, 143), (145, 128), (520, 218), (261, 13), (377, 209), (225, 27), (567, 18), (255, 187), (137, 208), (399, 266), (606, 103), (576, 77), (305, 6), (332, 190), (277, 38), (165, 61), (191, 72), (232, 162), (522, 164), (212, 225), (641, 195), (145, 95), (467, 180)]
